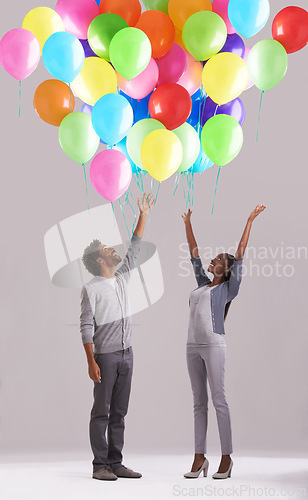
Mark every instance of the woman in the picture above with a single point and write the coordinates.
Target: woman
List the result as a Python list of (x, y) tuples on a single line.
[(206, 347)]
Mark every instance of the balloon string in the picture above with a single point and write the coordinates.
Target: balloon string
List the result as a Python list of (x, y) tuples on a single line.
[(219, 168), (85, 178), (192, 175), (262, 92), (157, 192), (19, 98), (113, 213), (216, 109), (71, 97), (132, 209), (176, 182)]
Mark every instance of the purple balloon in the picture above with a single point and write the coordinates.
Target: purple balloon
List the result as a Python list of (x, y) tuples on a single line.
[(233, 108), (234, 44), (88, 52)]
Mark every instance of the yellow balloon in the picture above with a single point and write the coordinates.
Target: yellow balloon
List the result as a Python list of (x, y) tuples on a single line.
[(161, 154), (224, 77), (43, 22), (181, 10), (96, 78)]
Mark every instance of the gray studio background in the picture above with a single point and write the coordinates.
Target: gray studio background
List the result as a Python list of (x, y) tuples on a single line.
[(45, 392)]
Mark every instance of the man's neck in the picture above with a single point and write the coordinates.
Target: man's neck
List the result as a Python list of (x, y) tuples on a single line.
[(108, 272)]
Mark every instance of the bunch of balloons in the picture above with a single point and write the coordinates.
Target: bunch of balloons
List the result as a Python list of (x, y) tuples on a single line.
[(160, 87)]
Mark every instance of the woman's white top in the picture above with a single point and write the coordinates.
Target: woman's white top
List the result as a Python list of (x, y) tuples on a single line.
[(200, 329)]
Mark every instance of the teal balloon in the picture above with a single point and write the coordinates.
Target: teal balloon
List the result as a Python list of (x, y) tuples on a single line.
[(222, 139), (121, 146), (63, 56), (267, 63), (248, 17), (112, 118), (77, 137)]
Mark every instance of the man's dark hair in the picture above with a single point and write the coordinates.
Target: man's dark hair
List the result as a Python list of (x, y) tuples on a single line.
[(90, 256)]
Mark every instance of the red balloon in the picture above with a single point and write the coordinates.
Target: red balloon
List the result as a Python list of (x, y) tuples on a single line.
[(170, 104), (290, 28)]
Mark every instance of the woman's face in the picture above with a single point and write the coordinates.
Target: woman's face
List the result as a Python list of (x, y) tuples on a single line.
[(219, 265)]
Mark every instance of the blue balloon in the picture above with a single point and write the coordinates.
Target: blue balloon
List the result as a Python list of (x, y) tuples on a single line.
[(193, 118), (202, 162), (63, 56), (98, 1), (248, 16), (112, 117), (121, 146), (233, 108), (235, 45), (140, 106)]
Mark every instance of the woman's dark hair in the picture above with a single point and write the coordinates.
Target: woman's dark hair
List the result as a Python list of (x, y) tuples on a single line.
[(90, 256), (231, 260)]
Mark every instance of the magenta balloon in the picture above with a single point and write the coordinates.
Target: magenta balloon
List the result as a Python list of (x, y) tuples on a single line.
[(140, 86), (191, 78), (172, 65), (220, 7), (20, 53), (77, 15), (110, 174)]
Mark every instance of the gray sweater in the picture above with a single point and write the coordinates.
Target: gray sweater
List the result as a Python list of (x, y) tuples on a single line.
[(106, 307), (220, 294)]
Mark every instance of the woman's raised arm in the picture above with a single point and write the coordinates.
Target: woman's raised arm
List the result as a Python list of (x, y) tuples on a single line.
[(193, 248), (244, 239)]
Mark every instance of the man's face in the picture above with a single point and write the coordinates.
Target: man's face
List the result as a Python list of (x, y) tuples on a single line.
[(109, 255)]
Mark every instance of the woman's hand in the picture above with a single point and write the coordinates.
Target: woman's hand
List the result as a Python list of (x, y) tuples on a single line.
[(146, 205), (256, 211), (186, 217)]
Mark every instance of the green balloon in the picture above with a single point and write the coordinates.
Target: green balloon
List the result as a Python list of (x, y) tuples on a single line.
[(77, 137), (204, 34), (136, 136), (190, 144), (102, 30), (161, 5), (267, 63), (222, 139), (130, 52)]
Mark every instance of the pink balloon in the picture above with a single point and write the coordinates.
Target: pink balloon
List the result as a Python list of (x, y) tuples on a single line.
[(140, 86), (191, 79), (172, 65), (250, 82), (110, 173), (77, 15), (221, 8), (20, 53)]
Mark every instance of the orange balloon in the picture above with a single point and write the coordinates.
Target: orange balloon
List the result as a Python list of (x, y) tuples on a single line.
[(178, 38), (53, 101), (181, 10), (130, 10), (159, 29)]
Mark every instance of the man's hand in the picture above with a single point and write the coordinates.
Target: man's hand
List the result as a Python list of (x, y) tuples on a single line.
[(94, 372), (256, 211), (146, 205), (186, 217)]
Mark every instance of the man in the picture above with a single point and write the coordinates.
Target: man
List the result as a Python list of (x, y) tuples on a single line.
[(105, 305)]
